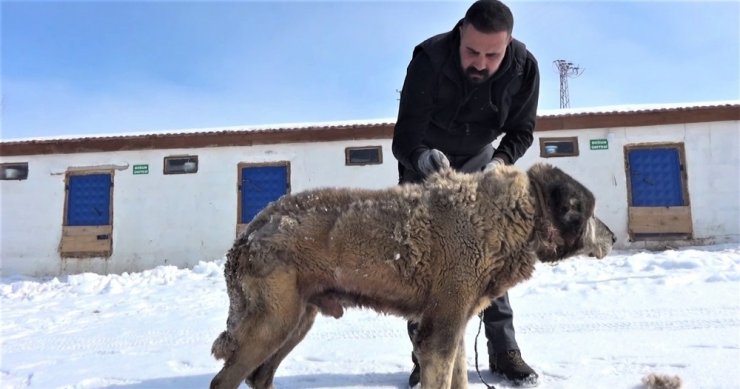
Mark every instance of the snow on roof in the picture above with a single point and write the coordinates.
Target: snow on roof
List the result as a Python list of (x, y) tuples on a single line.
[(376, 122), (259, 127), (628, 108)]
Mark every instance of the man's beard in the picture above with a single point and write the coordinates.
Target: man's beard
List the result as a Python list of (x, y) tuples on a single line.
[(476, 76)]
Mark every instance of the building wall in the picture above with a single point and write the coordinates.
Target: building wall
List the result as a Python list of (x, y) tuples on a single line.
[(182, 219), (714, 179), (160, 219)]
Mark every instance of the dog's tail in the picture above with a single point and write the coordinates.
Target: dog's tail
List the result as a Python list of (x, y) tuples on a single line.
[(224, 346), (241, 262)]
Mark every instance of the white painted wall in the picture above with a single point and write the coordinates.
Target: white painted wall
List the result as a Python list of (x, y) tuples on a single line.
[(182, 219), (713, 161), (160, 219)]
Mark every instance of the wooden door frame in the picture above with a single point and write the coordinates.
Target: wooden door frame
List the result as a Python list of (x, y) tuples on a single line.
[(71, 233), (662, 222)]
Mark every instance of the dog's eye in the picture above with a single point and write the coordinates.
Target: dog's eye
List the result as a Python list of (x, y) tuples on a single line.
[(575, 204)]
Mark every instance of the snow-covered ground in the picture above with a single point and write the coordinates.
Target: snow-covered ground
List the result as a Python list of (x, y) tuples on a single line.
[(581, 324)]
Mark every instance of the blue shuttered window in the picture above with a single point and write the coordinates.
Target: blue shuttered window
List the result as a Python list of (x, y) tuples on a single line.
[(89, 200), (656, 177), (259, 186)]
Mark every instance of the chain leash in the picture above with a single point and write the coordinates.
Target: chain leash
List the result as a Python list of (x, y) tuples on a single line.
[(475, 347)]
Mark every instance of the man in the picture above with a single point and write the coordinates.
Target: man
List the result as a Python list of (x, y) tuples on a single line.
[(462, 90)]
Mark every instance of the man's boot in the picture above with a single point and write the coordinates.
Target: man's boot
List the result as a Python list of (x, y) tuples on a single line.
[(511, 365)]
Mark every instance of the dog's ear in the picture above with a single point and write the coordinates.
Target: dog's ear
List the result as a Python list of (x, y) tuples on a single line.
[(566, 206), (570, 209)]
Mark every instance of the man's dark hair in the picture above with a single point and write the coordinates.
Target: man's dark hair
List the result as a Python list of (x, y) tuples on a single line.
[(490, 16)]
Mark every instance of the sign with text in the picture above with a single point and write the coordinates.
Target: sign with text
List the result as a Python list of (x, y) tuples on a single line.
[(141, 169), (599, 144)]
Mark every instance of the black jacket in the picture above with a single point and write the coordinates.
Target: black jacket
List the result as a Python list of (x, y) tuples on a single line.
[(439, 110)]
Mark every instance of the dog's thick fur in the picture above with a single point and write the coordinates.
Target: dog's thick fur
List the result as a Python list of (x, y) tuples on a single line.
[(662, 381), (436, 253)]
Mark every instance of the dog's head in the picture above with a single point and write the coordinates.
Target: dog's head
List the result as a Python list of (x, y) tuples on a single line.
[(565, 225)]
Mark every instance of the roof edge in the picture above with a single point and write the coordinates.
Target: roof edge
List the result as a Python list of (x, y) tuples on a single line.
[(357, 129)]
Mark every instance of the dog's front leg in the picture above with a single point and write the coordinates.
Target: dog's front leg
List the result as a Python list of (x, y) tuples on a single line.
[(436, 347), (460, 367)]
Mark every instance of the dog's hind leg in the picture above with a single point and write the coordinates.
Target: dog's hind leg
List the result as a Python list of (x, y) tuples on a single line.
[(275, 311), (265, 373)]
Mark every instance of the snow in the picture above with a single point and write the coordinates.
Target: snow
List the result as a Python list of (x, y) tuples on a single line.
[(582, 323), (624, 108), (255, 127)]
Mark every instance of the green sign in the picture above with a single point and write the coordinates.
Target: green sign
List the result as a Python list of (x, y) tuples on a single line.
[(599, 144), (141, 169)]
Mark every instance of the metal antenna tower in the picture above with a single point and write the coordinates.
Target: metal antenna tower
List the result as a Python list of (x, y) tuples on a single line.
[(566, 69)]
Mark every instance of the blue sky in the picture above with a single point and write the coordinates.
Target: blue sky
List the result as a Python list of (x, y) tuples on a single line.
[(96, 67)]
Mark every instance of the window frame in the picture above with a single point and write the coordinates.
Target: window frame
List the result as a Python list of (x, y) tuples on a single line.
[(22, 167), (348, 157), (167, 168), (544, 142)]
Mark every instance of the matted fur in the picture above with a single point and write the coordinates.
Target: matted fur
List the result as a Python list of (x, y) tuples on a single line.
[(436, 252), (662, 381)]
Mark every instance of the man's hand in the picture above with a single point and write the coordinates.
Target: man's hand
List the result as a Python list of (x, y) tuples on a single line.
[(431, 161), (493, 164)]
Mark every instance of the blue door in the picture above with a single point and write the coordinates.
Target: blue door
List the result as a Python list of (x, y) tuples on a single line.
[(655, 176), (259, 186), (88, 200)]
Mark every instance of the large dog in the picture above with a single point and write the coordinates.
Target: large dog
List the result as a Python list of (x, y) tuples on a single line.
[(436, 253)]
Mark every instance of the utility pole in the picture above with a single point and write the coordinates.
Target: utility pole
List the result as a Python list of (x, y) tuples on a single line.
[(566, 69)]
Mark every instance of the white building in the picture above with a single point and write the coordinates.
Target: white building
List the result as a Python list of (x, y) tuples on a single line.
[(662, 176)]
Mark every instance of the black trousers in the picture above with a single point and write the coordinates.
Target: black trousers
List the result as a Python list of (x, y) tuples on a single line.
[(498, 320)]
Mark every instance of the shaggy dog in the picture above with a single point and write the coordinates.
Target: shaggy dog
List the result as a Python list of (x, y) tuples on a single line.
[(435, 253)]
